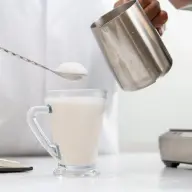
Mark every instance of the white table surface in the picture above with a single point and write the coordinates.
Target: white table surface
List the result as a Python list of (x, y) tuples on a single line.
[(122, 173)]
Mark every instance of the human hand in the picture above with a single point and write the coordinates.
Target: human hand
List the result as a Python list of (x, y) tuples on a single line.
[(152, 8)]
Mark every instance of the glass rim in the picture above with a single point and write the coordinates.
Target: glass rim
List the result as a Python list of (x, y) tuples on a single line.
[(98, 92)]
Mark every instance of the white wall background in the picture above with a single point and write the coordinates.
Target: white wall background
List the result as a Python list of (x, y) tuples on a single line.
[(145, 114)]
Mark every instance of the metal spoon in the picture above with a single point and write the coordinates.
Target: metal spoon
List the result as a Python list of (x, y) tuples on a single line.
[(68, 76)]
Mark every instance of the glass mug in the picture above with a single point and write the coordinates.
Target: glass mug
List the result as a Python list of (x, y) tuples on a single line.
[(76, 118)]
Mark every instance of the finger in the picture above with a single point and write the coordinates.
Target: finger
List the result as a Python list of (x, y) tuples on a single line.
[(160, 31), (160, 19), (153, 10), (145, 3)]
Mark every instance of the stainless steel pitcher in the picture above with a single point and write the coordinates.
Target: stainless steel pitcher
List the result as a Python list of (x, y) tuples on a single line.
[(132, 46)]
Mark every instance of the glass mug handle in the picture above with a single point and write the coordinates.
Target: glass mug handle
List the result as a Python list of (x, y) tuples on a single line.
[(32, 114)]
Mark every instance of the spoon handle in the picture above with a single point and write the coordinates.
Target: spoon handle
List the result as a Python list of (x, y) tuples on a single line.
[(24, 59)]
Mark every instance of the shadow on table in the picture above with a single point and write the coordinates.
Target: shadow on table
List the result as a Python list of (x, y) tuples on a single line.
[(176, 178)]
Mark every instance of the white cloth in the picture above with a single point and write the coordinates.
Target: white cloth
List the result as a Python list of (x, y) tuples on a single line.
[(50, 32)]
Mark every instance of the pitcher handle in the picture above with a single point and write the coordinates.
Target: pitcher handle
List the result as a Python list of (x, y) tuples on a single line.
[(32, 114)]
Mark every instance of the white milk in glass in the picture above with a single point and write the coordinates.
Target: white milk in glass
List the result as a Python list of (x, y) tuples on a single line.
[(76, 124)]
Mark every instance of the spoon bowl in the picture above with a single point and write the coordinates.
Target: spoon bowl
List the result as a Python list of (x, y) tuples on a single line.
[(67, 74)]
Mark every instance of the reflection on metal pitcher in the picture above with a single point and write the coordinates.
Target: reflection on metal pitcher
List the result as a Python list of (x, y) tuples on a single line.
[(132, 46)]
